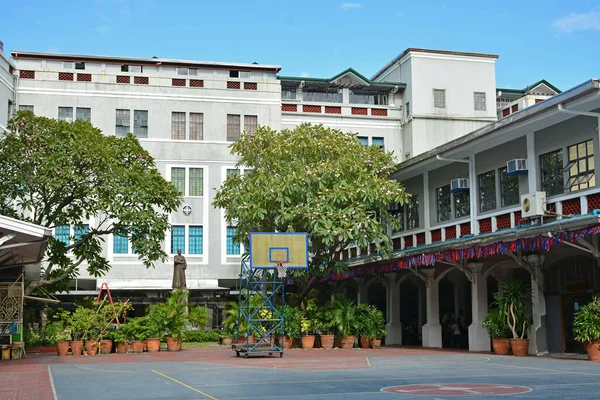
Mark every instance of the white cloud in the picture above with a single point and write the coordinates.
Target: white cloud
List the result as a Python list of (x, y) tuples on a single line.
[(347, 6), (579, 21), (304, 75)]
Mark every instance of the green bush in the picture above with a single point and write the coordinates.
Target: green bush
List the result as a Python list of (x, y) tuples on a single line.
[(201, 336)]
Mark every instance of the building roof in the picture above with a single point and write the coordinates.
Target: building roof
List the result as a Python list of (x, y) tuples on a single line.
[(526, 89), (21, 242), (17, 54), (444, 52), (348, 72)]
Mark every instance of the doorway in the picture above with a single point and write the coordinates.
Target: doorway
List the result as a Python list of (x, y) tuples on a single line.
[(570, 304)]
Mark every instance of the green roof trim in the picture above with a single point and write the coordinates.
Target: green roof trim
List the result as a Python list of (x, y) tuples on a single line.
[(349, 70), (527, 88)]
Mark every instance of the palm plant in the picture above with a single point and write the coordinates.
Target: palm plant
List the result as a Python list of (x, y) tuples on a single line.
[(514, 299), (586, 324), (344, 313)]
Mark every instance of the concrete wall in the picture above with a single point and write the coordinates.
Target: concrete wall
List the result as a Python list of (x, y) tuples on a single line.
[(6, 90)]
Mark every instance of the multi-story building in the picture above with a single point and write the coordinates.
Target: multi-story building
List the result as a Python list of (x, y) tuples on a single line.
[(7, 89), (509, 101)]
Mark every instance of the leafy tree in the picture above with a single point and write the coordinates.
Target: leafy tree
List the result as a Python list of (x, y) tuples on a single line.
[(317, 180), (62, 173)]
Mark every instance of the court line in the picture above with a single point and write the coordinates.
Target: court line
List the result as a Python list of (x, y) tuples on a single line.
[(52, 384), (184, 385), (534, 368)]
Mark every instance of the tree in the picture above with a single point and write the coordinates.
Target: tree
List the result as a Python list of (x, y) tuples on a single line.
[(317, 180), (55, 173)]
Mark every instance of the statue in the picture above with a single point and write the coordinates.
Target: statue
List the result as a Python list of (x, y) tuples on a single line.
[(179, 267)]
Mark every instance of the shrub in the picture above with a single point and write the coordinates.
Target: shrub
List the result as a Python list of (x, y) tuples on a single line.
[(201, 336)]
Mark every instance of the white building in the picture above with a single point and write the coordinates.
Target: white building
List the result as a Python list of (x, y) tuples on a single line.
[(7, 89)]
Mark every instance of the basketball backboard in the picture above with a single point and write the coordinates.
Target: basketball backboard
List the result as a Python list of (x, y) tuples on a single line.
[(268, 248)]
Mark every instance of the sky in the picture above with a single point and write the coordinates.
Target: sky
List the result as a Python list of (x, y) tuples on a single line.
[(553, 40)]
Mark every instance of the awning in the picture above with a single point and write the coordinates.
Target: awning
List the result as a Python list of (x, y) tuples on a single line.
[(159, 284)]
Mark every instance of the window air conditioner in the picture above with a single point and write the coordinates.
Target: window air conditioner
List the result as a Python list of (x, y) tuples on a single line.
[(533, 204), (516, 166), (459, 185)]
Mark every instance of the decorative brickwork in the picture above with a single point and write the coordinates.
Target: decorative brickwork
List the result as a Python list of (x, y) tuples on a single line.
[(359, 111), (465, 229), (311, 109), (27, 74), (333, 110), (379, 112), (571, 206), (196, 83), (593, 202), (65, 76), (250, 86), (397, 243), (421, 239), (485, 225), (178, 82), (451, 232), (408, 241), (140, 80), (436, 235), (289, 107), (123, 79), (503, 221), (84, 77), (506, 112), (233, 85), (518, 218), (515, 108)]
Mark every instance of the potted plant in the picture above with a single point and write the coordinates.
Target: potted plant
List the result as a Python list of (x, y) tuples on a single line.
[(363, 324), (497, 327), (83, 323), (150, 332), (344, 313), (136, 329), (325, 325), (514, 300), (308, 340), (586, 327), (292, 325), (173, 316), (230, 322), (119, 336), (62, 336), (377, 331)]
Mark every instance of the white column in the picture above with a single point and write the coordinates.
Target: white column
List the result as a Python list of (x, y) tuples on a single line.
[(473, 198), (432, 330), (426, 217), (538, 340), (532, 174), (361, 290), (393, 328), (479, 340)]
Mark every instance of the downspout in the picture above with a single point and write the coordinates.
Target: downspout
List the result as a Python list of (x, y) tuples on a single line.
[(472, 185)]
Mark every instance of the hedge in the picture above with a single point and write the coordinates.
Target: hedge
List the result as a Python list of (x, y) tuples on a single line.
[(201, 336)]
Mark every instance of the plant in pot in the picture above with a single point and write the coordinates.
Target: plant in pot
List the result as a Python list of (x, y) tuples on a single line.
[(107, 321), (363, 325), (377, 327), (308, 340), (137, 330), (83, 322), (119, 336), (586, 327), (344, 313), (230, 322), (514, 300), (64, 321), (326, 327), (150, 330), (496, 324), (171, 318), (292, 325)]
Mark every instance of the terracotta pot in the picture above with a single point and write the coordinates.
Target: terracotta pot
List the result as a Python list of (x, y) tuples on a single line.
[(520, 347), (365, 342), (106, 346), (287, 342), (92, 347), (376, 343), (226, 341), (348, 342), (62, 348), (173, 344), (327, 341), (308, 341), (77, 347), (153, 345), (501, 346), (122, 348), (593, 350), (138, 346)]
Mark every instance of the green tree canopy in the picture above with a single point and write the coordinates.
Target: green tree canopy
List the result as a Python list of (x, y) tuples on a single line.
[(56, 173), (317, 180)]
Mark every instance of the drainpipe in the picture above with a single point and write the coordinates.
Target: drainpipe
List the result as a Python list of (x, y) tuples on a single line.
[(472, 184)]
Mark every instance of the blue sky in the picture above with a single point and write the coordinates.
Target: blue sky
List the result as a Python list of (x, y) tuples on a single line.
[(555, 40)]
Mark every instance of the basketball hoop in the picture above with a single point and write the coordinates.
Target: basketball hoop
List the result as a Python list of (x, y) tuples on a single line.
[(281, 268)]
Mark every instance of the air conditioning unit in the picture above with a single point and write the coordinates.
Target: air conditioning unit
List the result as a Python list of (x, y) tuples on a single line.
[(459, 185), (533, 204), (516, 166)]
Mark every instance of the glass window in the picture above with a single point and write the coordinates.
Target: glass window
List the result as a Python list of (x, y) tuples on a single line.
[(581, 166), (487, 191), (377, 141), (551, 169), (288, 92), (444, 205), (62, 233), (123, 123), (178, 125), (177, 239), (233, 172), (412, 212), (196, 240), (479, 98), (368, 97), (323, 95), (250, 123), (233, 127), (65, 114), (140, 123), (120, 244), (196, 181), (80, 231), (84, 114), (232, 247), (196, 126), (439, 98), (178, 179), (509, 189), (23, 107), (363, 140), (462, 206), (80, 65)]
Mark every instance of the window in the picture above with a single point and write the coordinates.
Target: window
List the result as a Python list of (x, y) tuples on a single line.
[(83, 114), (196, 182), (62, 233), (177, 238), (462, 207), (178, 179), (363, 140), (80, 231), (407, 109), (187, 71), (195, 239), (479, 98), (140, 123), (232, 247), (178, 125), (551, 168), (323, 95), (377, 141), (65, 114), (132, 68), (439, 98), (398, 213), (233, 127), (196, 126), (234, 74), (232, 172), (581, 166), (444, 205), (487, 191), (250, 123), (120, 244), (509, 189), (123, 124), (68, 65), (288, 92), (80, 65), (412, 213), (23, 107), (368, 97)]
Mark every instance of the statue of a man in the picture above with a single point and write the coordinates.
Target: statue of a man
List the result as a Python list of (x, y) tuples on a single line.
[(179, 267)]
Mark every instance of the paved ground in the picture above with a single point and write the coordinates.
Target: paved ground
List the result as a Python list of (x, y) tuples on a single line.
[(215, 373)]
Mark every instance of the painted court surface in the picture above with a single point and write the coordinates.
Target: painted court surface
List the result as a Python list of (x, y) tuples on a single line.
[(215, 373)]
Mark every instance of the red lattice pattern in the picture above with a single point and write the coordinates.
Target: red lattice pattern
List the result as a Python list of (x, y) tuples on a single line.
[(27, 74), (408, 241), (451, 232), (397, 243), (359, 111), (485, 225), (65, 76), (436, 235), (196, 83), (518, 218), (311, 109), (250, 86), (140, 80), (233, 85), (289, 107), (421, 239), (506, 112), (515, 108), (571, 206), (333, 110), (123, 79), (465, 229), (593, 202), (503, 221), (84, 77), (379, 112), (538, 100), (178, 82)]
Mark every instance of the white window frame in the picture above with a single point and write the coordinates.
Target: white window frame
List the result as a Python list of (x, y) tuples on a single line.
[(435, 102), (480, 105), (187, 167)]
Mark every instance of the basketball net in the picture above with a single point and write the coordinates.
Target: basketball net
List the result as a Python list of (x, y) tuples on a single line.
[(281, 268)]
